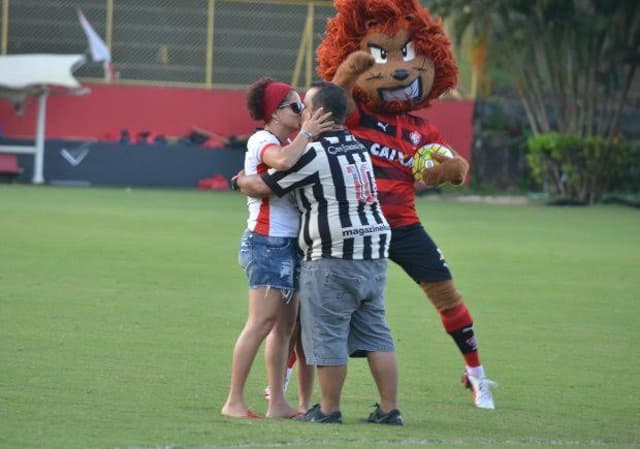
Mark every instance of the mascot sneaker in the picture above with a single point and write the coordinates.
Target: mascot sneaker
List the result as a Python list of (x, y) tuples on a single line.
[(481, 390)]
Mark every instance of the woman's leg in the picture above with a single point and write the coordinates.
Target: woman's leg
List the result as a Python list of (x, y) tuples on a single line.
[(264, 305), (276, 356)]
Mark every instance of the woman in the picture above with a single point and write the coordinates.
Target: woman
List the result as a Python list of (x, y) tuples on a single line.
[(268, 249)]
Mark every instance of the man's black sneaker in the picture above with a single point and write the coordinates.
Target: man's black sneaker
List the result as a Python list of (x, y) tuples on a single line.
[(314, 414), (379, 417)]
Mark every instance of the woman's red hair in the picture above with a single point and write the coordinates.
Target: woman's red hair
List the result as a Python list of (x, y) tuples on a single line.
[(357, 18)]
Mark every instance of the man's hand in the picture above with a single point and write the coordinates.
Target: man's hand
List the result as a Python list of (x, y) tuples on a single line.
[(317, 123), (250, 185), (449, 170), (234, 180)]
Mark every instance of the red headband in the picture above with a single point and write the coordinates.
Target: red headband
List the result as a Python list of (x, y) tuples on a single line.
[(274, 95)]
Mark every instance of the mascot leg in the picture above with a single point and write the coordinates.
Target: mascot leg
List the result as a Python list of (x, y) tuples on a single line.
[(455, 318), (458, 323)]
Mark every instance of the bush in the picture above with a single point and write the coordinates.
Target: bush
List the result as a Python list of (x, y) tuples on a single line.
[(577, 169)]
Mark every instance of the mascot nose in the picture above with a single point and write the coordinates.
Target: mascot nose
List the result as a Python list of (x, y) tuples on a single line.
[(400, 74)]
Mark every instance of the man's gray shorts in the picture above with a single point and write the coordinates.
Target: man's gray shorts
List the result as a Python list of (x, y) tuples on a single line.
[(342, 309)]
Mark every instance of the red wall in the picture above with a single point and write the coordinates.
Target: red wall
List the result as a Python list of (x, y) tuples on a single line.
[(454, 119), (109, 108), (174, 111)]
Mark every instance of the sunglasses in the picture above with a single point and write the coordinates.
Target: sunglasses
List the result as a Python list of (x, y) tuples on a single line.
[(295, 106)]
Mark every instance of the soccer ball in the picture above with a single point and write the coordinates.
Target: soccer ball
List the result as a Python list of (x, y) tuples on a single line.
[(422, 159)]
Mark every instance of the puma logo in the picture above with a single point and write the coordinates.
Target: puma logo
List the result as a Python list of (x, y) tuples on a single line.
[(383, 126)]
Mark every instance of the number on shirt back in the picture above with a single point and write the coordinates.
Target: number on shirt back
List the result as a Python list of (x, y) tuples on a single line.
[(363, 181)]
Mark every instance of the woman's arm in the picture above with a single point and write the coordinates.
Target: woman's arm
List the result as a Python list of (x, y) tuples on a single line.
[(283, 158)]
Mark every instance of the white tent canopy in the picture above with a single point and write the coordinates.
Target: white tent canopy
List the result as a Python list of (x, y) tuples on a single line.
[(23, 71), (22, 75)]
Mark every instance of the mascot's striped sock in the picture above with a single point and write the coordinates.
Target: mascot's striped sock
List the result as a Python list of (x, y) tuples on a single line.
[(287, 375), (459, 324), (292, 360), (290, 363)]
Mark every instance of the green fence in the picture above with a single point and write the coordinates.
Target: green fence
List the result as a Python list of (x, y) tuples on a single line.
[(200, 43)]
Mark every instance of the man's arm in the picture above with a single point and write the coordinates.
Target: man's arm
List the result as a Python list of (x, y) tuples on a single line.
[(278, 183), (251, 185)]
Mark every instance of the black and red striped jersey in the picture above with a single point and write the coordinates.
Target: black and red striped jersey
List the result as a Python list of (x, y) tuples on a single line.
[(392, 140)]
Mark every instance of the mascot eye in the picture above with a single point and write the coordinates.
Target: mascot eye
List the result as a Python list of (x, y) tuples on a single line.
[(379, 54), (408, 52)]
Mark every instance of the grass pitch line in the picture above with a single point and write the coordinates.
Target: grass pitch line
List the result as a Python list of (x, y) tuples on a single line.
[(398, 442)]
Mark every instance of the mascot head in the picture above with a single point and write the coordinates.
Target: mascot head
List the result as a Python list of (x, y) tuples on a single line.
[(414, 62)]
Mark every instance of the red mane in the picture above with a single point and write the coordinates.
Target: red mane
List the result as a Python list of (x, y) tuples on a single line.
[(357, 18)]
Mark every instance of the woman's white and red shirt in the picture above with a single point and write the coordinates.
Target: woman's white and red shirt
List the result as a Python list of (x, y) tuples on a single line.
[(273, 216)]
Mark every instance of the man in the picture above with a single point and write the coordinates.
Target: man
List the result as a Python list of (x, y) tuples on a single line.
[(345, 240)]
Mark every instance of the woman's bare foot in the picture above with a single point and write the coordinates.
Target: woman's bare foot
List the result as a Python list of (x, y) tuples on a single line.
[(240, 411), (282, 412)]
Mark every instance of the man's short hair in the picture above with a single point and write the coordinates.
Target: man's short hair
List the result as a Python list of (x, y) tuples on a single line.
[(332, 98)]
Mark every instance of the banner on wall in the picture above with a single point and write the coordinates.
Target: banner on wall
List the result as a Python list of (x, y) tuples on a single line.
[(148, 165)]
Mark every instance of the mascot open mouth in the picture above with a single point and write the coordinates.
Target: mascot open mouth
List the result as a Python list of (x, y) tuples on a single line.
[(411, 92)]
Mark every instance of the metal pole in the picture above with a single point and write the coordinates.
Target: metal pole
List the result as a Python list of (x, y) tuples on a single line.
[(310, 16), (5, 27), (295, 77), (38, 168), (209, 60), (109, 35)]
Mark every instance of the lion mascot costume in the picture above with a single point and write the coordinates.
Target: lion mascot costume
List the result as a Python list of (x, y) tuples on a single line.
[(392, 58)]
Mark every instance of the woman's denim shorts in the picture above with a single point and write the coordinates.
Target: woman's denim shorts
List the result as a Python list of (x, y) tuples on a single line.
[(270, 261)]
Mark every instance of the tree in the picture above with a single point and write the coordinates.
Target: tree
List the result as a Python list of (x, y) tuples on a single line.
[(473, 20), (572, 61)]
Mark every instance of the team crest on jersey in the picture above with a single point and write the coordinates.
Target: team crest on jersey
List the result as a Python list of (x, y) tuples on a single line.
[(415, 137)]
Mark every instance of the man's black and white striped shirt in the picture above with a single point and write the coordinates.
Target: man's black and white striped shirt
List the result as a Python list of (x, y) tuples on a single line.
[(337, 197)]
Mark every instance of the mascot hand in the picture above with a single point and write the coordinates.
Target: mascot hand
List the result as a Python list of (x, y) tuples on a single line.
[(351, 68), (449, 170)]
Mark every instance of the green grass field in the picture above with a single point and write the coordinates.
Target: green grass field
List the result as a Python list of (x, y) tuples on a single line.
[(119, 310)]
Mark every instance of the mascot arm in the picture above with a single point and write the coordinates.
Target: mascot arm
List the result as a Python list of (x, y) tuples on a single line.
[(449, 170), (348, 73)]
